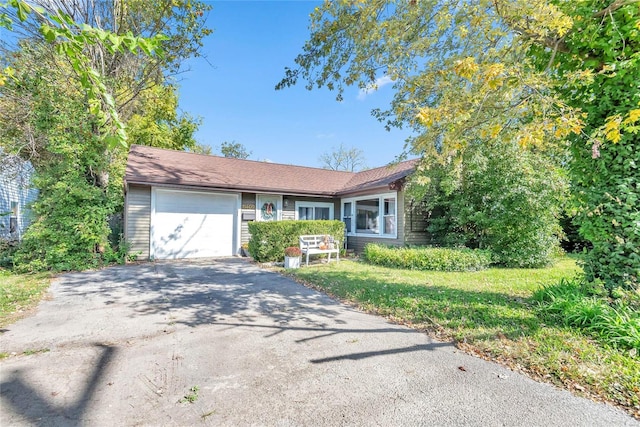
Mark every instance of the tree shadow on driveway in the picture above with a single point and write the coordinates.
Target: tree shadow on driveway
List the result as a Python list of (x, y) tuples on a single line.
[(26, 399), (97, 314), (199, 293)]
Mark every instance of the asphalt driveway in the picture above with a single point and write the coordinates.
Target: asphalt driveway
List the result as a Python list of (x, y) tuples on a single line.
[(126, 345)]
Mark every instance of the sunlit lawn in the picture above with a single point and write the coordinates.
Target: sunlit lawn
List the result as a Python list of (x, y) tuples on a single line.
[(489, 313), (19, 293)]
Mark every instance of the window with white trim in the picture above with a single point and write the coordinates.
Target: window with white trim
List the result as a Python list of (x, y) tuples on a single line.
[(314, 210), (389, 216), (347, 216), (371, 215)]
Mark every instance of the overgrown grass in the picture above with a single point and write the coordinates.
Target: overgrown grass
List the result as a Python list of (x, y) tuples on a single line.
[(19, 293), (615, 322), (490, 313)]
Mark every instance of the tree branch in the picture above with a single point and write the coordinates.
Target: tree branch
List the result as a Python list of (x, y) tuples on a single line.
[(617, 4)]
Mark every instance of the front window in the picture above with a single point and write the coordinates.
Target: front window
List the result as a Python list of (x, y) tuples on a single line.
[(314, 210), (367, 216), (371, 215)]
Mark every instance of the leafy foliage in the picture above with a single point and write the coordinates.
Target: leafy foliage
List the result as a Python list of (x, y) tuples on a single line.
[(501, 198), (577, 305), (459, 69), (270, 239), (434, 259), (537, 72), (155, 121), (235, 150), (70, 40), (70, 230), (59, 108), (598, 73)]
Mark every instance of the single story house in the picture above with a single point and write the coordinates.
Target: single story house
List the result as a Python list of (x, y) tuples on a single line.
[(184, 205)]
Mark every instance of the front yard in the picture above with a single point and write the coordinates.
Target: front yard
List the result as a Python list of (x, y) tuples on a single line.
[(491, 314)]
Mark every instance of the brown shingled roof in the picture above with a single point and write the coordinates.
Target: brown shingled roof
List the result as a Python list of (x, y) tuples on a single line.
[(148, 165), (383, 176)]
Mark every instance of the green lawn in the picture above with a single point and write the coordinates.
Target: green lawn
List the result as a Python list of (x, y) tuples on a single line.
[(489, 313), (19, 293)]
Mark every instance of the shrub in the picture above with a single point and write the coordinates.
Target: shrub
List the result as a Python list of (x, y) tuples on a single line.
[(438, 259), (70, 231), (586, 307), (269, 239), (8, 249), (500, 198), (292, 251)]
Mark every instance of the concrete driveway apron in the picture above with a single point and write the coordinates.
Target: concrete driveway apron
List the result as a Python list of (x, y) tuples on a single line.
[(249, 347)]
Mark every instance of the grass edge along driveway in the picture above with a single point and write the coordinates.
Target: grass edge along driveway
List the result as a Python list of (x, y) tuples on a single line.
[(20, 293), (490, 314)]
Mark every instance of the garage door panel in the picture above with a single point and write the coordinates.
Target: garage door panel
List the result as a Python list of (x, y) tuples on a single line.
[(195, 203), (190, 225)]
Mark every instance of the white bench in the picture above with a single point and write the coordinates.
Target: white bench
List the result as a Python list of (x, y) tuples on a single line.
[(312, 244)]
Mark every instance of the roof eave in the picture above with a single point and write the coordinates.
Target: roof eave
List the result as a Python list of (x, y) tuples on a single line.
[(242, 188)]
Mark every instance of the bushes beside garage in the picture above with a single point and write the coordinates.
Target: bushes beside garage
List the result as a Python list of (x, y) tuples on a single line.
[(427, 258), (269, 239)]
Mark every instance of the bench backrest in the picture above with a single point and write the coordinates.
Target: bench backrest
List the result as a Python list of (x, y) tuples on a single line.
[(313, 241)]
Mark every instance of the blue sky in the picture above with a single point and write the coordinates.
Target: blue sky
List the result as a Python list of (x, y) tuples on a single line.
[(234, 91)]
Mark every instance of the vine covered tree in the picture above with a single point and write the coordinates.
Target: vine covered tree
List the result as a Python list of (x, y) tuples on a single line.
[(547, 75), (73, 79)]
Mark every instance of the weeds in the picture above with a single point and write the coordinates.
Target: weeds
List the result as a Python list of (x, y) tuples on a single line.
[(38, 351), (192, 396), (575, 304)]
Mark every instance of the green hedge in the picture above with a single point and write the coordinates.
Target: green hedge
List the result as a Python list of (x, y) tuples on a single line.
[(426, 258), (269, 239)]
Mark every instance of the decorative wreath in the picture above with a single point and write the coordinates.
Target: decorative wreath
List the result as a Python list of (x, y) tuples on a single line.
[(268, 211)]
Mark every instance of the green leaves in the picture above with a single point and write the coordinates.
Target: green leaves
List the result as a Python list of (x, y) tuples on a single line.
[(428, 259), (22, 9), (497, 197), (68, 99), (71, 39), (542, 73)]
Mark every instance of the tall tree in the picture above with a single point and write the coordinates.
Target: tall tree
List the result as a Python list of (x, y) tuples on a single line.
[(343, 159), (59, 108), (503, 70)]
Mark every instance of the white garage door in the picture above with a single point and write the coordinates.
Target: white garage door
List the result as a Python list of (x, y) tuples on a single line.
[(187, 224)]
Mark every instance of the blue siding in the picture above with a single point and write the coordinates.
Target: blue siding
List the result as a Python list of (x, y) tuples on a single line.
[(15, 187)]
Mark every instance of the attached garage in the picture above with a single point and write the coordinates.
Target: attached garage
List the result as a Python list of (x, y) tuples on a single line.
[(191, 224)]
